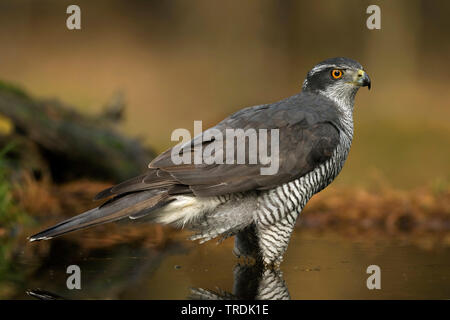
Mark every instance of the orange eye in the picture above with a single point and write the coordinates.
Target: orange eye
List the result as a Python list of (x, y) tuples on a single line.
[(336, 74)]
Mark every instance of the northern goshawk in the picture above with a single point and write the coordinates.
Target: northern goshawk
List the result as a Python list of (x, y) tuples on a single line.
[(220, 199)]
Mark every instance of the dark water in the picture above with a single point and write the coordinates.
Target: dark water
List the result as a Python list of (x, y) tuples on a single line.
[(324, 266)]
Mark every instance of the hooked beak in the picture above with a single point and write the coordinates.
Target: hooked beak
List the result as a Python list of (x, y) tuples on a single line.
[(362, 79)]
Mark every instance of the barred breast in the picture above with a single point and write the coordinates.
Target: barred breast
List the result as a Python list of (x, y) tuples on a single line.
[(279, 208)]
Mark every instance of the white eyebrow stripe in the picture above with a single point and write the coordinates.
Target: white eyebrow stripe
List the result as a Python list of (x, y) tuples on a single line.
[(320, 68), (325, 66)]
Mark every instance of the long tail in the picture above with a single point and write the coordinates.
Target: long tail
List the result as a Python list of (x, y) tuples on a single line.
[(134, 205)]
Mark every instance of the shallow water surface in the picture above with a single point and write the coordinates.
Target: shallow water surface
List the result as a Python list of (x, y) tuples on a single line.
[(317, 266)]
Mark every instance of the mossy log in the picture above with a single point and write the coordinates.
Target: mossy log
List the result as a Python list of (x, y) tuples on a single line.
[(72, 144)]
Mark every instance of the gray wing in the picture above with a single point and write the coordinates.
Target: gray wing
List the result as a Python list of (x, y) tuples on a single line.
[(308, 135)]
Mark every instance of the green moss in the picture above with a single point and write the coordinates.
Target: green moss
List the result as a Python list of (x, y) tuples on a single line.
[(6, 86), (11, 218), (10, 213)]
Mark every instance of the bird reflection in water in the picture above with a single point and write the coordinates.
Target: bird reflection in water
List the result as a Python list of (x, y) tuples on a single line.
[(251, 282)]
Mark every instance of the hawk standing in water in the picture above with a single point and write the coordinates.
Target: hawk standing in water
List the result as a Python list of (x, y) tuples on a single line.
[(221, 200)]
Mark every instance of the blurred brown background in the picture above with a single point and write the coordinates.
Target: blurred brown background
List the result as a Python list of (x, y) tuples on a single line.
[(178, 61)]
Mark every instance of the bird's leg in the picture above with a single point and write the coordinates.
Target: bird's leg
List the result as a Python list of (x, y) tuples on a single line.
[(273, 241), (246, 244)]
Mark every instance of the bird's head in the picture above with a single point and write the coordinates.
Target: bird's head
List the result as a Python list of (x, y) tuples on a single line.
[(337, 78)]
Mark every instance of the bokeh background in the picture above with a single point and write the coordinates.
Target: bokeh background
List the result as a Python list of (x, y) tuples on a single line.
[(178, 61)]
